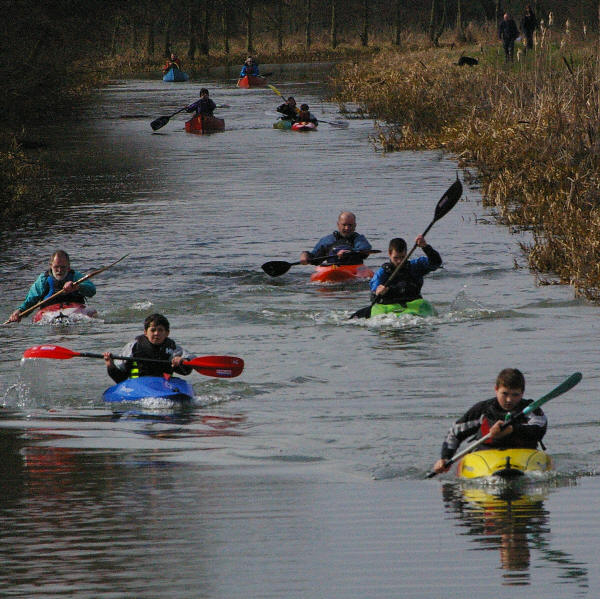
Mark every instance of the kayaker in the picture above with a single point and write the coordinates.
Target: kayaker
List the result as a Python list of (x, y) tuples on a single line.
[(204, 106), (156, 344), (288, 109), (406, 285), (340, 242), (250, 67), (172, 61), (305, 116), (58, 276), (487, 417)]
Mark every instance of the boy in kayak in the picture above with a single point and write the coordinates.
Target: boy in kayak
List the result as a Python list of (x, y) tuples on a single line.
[(305, 115), (487, 417), (156, 344), (250, 67), (406, 285), (288, 109), (343, 241), (59, 276), (204, 106)]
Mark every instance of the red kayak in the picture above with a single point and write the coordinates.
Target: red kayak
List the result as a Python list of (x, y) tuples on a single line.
[(334, 273), (204, 124), (304, 126), (252, 81), (64, 312)]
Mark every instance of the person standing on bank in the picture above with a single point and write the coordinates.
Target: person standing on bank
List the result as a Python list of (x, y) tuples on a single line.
[(528, 26), (508, 33), (343, 241)]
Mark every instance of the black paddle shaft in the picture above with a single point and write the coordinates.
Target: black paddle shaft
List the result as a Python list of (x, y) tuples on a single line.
[(276, 268)]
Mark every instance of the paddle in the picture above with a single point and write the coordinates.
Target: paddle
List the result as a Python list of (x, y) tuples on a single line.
[(446, 203), (60, 292), (276, 268), (218, 366), (565, 386), (161, 121), (341, 124)]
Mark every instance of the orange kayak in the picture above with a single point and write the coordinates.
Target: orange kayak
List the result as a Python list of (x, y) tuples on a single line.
[(336, 273), (204, 124), (62, 312), (252, 81)]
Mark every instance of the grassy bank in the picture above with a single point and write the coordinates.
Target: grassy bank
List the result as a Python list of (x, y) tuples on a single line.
[(531, 130)]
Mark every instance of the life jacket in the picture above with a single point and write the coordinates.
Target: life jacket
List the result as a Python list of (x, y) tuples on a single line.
[(52, 286), (142, 348), (404, 288), (343, 243)]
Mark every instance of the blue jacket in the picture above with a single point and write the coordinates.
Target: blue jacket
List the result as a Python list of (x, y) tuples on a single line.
[(331, 244), (407, 284), (246, 70), (45, 283)]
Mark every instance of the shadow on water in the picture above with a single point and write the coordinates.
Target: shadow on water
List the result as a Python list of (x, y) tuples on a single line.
[(514, 520)]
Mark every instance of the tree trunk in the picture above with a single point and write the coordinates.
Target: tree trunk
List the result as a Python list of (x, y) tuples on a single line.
[(460, 32), (333, 31), (279, 25), (249, 16), (204, 40), (226, 26), (307, 38), (192, 23), (397, 24), (150, 39), (115, 36), (364, 36), (432, 17)]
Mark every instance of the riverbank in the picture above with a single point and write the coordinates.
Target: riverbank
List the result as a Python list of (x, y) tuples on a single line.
[(530, 130)]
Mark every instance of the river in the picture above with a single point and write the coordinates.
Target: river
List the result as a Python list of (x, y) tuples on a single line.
[(303, 477)]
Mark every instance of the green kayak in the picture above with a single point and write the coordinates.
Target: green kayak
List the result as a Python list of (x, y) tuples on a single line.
[(282, 124), (418, 307)]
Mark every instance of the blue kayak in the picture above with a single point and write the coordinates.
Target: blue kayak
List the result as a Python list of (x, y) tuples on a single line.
[(174, 74), (150, 387)]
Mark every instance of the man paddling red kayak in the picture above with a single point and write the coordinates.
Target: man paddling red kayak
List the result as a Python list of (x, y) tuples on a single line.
[(343, 241)]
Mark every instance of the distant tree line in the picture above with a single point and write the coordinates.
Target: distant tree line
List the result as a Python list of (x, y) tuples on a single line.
[(63, 30)]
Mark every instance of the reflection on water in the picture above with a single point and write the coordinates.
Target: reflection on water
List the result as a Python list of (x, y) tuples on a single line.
[(511, 518)]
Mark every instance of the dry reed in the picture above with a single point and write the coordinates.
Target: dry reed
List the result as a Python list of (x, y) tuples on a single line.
[(531, 129)]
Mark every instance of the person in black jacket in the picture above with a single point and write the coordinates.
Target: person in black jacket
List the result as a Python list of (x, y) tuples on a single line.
[(508, 33), (528, 26), (156, 344), (488, 416), (288, 109)]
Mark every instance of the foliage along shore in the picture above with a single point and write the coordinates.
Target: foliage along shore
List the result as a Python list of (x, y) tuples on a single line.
[(530, 129)]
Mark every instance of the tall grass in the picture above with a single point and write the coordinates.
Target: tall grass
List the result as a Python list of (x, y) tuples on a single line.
[(531, 129)]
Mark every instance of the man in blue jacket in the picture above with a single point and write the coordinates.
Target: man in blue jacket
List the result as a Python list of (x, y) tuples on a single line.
[(343, 241)]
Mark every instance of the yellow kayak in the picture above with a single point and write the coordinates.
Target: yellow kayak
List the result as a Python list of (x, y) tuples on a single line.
[(506, 463)]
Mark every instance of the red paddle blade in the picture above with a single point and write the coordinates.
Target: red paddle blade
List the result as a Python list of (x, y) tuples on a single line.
[(225, 367), (49, 351)]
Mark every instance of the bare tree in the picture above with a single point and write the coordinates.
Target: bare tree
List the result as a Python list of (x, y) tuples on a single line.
[(364, 35), (249, 35), (307, 24), (333, 26), (436, 29), (397, 23), (226, 25)]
